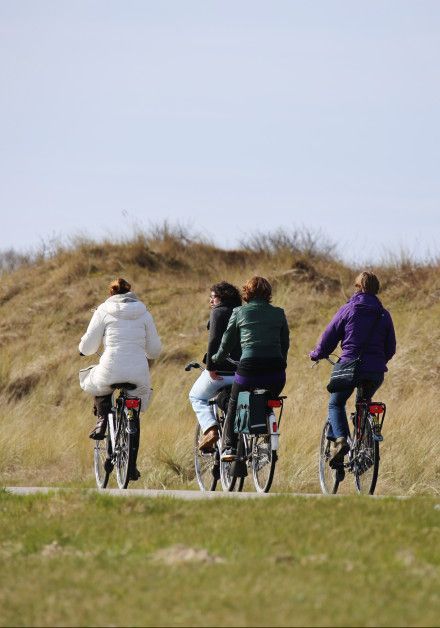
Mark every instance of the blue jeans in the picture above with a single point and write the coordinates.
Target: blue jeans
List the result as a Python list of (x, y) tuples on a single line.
[(337, 416), (203, 389)]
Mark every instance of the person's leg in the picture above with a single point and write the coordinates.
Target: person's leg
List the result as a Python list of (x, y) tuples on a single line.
[(338, 431), (337, 414), (203, 390), (229, 436), (101, 408), (370, 383)]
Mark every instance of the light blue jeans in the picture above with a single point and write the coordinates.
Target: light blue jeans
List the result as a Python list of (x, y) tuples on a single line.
[(204, 388)]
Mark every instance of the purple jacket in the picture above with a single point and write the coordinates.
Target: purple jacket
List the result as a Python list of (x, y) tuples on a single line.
[(351, 326)]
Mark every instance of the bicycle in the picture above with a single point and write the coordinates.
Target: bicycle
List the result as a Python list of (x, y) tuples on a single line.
[(121, 442), (363, 456), (258, 452), (207, 463)]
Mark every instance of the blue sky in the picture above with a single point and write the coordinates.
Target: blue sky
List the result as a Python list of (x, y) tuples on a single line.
[(228, 116)]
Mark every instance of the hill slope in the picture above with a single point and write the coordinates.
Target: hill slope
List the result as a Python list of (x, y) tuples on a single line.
[(45, 306)]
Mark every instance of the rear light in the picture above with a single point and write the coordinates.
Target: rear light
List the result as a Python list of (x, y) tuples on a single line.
[(132, 404), (376, 408), (274, 403), (274, 427)]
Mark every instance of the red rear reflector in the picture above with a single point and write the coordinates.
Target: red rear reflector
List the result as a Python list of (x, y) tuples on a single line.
[(274, 427), (132, 403), (376, 408), (274, 403)]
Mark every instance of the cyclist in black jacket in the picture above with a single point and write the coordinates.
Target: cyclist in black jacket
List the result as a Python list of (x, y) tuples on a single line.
[(224, 298)]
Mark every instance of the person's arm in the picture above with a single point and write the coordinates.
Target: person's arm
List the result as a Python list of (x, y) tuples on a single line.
[(153, 345), (390, 340), (218, 323), (230, 339), (332, 335), (284, 337), (92, 339)]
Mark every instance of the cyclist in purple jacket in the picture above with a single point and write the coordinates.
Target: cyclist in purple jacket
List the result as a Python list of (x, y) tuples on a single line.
[(364, 326)]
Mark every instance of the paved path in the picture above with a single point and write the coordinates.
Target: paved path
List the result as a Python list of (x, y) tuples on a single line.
[(187, 495), (137, 492)]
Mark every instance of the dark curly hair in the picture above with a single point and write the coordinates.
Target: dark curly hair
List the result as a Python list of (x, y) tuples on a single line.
[(227, 293)]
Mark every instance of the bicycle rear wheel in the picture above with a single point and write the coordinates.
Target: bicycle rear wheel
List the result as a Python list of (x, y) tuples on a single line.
[(366, 461), (101, 453), (123, 452), (328, 477), (207, 465), (264, 459)]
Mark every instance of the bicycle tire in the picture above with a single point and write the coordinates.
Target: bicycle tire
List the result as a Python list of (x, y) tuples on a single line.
[(264, 460), (366, 465), (207, 475), (123, 452), (327, 476), (100, 452)]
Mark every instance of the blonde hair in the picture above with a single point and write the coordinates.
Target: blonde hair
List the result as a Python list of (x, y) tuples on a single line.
[(367, 282), (119, 286)]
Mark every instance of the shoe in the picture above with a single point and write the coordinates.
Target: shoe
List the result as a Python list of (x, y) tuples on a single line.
[(108, 465), (135, 475), (98, 432), (340, 474), (229, 455), (209, 439), (340, 449)]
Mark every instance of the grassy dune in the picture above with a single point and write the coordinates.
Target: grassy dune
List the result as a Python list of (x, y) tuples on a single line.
[(46, 303), (94, 560)]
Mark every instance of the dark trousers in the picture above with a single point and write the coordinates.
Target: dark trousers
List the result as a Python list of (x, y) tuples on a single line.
[(229, 436), (102, 405), (337, 415)]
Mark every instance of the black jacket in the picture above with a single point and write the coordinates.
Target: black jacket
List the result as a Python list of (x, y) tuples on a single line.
[(218, 321)]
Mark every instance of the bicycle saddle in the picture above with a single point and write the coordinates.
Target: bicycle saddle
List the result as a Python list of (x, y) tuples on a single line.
[(125, 385)]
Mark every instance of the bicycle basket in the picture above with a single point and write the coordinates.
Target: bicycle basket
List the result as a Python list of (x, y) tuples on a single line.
[(251, 416)]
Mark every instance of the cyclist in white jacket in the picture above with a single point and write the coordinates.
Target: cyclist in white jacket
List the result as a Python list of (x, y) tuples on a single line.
[(127, 330)]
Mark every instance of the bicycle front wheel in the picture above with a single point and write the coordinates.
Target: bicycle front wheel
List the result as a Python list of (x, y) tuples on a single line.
[(101, 460), (206, 464), (123, 452), (328, 477), (366, 461), (264, 459)]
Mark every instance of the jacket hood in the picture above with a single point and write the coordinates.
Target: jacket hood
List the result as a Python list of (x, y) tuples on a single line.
[(125, 306), (366, 302)]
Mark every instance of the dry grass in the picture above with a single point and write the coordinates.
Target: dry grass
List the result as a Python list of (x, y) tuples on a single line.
[(45, 306)]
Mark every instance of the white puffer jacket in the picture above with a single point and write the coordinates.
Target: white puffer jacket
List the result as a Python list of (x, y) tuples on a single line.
[(127, 330)]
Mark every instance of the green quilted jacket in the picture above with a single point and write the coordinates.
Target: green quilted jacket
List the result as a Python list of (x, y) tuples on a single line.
[(261, 329)]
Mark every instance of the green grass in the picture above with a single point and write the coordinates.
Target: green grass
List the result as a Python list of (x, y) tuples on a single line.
[(87, 559)]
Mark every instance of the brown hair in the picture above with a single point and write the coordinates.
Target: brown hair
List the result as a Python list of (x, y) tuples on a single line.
[(119, 286), (257, 288), (227, 293), (367, 282)]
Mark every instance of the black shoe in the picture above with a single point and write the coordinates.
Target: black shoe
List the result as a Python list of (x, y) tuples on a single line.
[(339, 474), (98, 432), (108, 465), (135, 475)]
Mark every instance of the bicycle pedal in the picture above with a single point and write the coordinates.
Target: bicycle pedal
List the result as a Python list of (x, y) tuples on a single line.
[(378, 438)]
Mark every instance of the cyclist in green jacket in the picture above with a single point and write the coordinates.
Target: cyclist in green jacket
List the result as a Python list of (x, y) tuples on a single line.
[(263, 333)]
